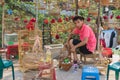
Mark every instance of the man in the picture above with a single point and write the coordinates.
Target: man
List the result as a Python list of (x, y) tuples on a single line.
[(87, 40)]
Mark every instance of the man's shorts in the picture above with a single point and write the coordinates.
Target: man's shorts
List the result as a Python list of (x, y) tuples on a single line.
[(82, 49)]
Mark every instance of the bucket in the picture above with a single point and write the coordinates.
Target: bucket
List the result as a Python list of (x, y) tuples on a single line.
[(107, 52)]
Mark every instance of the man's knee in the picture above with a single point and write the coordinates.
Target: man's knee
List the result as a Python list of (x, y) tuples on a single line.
[(71, 41)]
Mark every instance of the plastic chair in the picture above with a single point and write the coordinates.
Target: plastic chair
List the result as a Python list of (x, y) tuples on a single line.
[(115, 67), (6, 64), (91, 72)]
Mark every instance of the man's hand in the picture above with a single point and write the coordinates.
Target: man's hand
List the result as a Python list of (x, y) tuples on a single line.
[(66, 44)]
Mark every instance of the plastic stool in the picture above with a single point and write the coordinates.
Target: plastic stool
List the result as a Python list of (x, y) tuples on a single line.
[(90, 71), (116, 67)]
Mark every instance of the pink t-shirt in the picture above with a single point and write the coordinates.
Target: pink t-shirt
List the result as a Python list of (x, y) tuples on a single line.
[(84, 32)]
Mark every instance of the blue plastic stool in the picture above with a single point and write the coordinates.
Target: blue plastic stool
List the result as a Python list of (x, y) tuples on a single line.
[(91, 72), (115, 67)]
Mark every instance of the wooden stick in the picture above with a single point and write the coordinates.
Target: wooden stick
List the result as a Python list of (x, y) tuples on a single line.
[(98, 24), (76, 13)]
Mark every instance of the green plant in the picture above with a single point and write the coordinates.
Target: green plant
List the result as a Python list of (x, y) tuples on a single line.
[(83, 12), (116, 12)]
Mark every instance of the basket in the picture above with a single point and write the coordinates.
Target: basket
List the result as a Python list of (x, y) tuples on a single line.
[(62, 63), (65, 66)]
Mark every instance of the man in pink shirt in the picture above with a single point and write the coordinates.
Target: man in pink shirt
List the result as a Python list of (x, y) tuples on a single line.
[(87, 40)]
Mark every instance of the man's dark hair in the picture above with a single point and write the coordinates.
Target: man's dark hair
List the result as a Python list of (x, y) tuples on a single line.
[(78, 18)]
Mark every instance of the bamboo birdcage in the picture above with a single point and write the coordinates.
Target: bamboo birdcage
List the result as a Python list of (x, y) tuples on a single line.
[(105, 2), (1, 2), (54, 9), (93, 9), (40, 4), (117, 4), (28, 58), (83, 3)]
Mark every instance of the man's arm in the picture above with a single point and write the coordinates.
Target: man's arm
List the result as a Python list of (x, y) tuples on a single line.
[(69, 37), (82, 43)]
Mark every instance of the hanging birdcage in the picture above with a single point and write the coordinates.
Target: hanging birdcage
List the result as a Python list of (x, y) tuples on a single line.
[(93, 10), (67, 4), (2, 2), (41, 4), (53, 9), (105, 2), (115, 3), (83, 3)]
